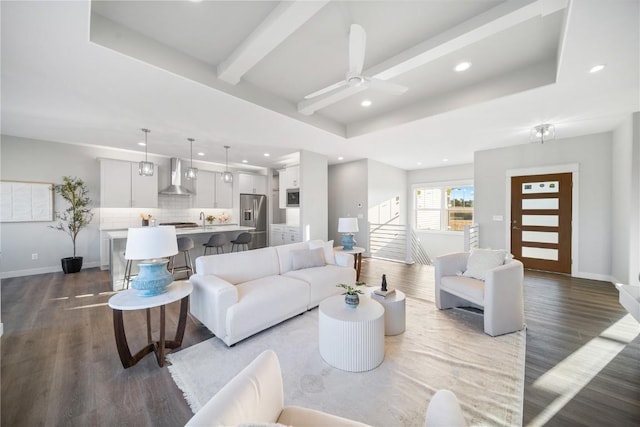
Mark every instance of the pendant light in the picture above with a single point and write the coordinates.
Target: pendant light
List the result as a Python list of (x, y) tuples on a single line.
[(145, 168), (191, 173), (227, 176)]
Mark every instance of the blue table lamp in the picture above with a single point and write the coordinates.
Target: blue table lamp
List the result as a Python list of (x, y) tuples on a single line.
[(152, 245), (348, 226)]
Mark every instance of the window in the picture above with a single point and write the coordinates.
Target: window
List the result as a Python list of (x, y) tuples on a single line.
[(443, 208)]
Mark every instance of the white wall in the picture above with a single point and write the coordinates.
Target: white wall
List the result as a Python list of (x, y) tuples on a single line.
[(436, 243), (313, 194), (348, 197), (593, 155), (625, 195)]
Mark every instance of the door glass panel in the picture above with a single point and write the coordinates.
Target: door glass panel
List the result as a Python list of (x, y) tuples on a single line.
[(540, 187), (540, 220), (540, 204), (540, 236), (540, 253)]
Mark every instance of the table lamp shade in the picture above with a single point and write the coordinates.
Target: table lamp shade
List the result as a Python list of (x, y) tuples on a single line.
[(151, 242), (347, 225)]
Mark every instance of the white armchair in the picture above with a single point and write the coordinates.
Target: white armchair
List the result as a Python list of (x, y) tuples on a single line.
[(256, 396), (500, 294)]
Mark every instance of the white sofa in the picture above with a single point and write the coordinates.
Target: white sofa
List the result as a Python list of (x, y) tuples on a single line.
[(255, 397), (238, 294), (497, 289)]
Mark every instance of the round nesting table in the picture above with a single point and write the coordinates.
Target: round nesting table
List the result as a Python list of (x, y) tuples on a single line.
[(394, 311), (351, 339)]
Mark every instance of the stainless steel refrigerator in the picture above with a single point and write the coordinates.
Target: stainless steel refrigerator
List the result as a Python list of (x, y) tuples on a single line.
[(253, 213)]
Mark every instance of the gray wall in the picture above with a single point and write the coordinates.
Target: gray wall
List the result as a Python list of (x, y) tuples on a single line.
[(593, 155), (348, 197), (625, 195), (436, 243)]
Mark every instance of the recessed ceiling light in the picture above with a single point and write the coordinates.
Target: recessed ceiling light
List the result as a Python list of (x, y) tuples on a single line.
[(200, 154), (245, 161), (463, 66), (340, 158), (419, 163), (141, 143), (596, 68), (267, 154), (366, 103), (445, 160)]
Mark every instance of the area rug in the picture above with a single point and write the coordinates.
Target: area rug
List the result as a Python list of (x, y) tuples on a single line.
[(439, 349)]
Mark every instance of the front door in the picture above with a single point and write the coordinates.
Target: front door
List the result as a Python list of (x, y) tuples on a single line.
[(541, 221)]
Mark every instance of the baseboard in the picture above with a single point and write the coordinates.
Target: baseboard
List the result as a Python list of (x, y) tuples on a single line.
[(42, 270), (594, 276)]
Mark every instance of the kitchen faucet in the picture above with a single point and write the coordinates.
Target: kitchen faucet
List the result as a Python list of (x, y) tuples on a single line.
[(202, 218)]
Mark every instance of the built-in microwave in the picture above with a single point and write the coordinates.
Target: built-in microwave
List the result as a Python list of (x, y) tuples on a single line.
[(293, 197)]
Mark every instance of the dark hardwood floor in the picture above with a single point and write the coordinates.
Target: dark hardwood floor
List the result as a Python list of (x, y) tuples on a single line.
[(60, 365)]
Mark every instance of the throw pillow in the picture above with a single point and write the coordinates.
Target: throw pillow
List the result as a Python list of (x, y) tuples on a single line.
[(307, 258), (482, 260), (329, 257)]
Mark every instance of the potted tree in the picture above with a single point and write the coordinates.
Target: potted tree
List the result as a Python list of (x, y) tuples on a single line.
[(73, 219)]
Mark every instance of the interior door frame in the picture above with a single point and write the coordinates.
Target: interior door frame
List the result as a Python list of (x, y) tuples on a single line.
[(574, 169)]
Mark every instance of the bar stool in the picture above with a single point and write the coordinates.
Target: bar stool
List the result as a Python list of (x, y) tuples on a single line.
[(242, 241), (127, 273), (184, 244), (215, 241)]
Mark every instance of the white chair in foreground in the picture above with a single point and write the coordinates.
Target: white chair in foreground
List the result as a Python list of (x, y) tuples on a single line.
[(255, 396), (484, 279)]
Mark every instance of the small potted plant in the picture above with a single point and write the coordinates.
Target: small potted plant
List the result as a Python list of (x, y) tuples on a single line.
[(351, 297), (73, 219), (211, 219)]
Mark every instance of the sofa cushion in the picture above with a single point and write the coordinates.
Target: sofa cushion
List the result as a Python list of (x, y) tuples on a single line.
[(307, 258), (323, 280), (329, 256), (482, 260), (239, 267), (465, 287), (284, 255), (264, 302)]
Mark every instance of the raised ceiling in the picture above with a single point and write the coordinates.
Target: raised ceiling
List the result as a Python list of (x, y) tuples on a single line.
[(227, 72)]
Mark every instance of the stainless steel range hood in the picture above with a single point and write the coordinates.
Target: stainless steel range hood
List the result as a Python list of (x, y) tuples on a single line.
[(176, 188)]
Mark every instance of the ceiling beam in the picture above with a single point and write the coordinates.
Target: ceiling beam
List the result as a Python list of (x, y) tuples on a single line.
[(498, 19), (286, 18)]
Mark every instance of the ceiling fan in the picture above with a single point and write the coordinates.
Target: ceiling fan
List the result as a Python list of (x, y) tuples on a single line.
[(354, 82)]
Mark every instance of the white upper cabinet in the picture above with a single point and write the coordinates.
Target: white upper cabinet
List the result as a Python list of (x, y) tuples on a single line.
[(204, 188), (122, 187), (293, 177), (224, 192), (252, 184)]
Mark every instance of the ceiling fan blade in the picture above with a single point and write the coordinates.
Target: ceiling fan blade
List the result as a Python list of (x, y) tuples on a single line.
[(357, 47), (310, 106), (385, 86), (326, 89)]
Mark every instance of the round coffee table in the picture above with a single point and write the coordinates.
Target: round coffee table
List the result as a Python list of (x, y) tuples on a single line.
[(394, 311), (351, 339)]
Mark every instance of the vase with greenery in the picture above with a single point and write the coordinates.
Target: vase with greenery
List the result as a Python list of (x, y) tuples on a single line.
[(73, 219), (351, 297)]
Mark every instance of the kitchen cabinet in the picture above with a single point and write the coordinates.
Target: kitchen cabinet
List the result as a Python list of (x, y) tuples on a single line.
[(280, 234), (224, 192), (252, 184), (293, 177), (122, 187), (204, 188)]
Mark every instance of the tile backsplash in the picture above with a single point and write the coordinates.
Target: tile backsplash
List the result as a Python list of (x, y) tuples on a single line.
[(170, 209)]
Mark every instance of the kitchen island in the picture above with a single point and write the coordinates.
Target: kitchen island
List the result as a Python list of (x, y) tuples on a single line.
[(200, 235)]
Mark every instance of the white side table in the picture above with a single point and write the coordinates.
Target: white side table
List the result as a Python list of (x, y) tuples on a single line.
[(394, 311), (129, 300), (357, 257), (351, 339)]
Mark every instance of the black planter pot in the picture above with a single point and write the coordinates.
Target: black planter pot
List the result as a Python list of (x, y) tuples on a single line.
[(71, 264)]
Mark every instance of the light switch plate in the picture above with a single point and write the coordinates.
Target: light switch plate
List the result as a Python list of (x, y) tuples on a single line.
[(498, 218)]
